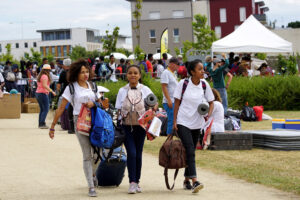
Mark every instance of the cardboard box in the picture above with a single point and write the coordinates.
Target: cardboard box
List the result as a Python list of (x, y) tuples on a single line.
[(10, 106), (31, 100), (31, 107)]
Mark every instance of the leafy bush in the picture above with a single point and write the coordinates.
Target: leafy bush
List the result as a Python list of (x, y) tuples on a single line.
[(153, 84), (288, 65), (274, 93)]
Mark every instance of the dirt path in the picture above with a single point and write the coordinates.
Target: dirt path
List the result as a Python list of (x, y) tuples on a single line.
[(34, 167)]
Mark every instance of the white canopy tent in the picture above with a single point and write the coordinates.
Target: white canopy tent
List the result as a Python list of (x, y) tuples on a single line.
[(252, 37)]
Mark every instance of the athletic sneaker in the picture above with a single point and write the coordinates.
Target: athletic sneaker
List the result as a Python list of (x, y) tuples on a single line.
[(92, 192), (187, 185), (197, 186), (95, 181), (138, 188), (132, 188), (43, 127)]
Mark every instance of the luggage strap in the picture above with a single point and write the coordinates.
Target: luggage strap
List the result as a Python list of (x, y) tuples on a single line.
[(167, 179)]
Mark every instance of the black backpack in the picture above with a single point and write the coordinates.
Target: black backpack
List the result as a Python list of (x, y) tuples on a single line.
[(248, 114)]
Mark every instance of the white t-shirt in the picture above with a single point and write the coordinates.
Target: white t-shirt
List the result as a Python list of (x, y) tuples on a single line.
[(81, 96), (1, 78), (113, 75), (159, 70), (122, 94), (188, 115), (218, 115), (169, 78), (20, 80)]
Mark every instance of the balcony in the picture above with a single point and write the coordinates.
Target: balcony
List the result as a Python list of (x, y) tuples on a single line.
[(261, 17)]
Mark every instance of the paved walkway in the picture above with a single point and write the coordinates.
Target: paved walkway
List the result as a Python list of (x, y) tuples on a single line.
[(34, 167)]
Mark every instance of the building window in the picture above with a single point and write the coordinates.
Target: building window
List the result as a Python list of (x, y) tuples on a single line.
[(68, 35), (154, 15), (17, 45), (178, 14), (223, 16), (42, 51), (152, 36), (236, 27), (176, 35), (47, 51), (218, 31), (65, 51), (181, 50), (26, 45), (53, 51), (59, 51), (34, 44), (242, 14)]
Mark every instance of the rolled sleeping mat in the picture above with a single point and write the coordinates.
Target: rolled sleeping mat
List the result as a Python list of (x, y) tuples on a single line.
[(151, 100), (203, 108)]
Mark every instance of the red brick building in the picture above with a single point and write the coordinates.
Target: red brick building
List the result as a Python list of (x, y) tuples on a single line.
[(226, 16)]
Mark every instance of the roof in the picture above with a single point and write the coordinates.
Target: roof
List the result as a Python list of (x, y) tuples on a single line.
[(64, 29), (252, 37), (160, 0), (260, 3)]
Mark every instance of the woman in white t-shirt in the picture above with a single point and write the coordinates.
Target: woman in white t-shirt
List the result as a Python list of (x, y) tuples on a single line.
[(79, 75), (187, 121), (130, 105), (217, 114)]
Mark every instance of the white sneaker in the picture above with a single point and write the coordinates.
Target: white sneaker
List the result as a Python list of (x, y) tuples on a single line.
[(138, 188), (132, 188), (92, 192)]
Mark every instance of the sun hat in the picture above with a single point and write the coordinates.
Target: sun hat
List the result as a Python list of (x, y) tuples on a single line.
[(46, 66), (67, 62)]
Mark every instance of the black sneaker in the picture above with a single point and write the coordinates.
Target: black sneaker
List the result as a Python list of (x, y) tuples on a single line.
[(197, 186), (71, 132), (187, 185)]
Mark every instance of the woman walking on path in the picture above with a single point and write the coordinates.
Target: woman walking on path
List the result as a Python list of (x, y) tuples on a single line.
[(79, 75), (130, 105), (42, 92), (187, 121)]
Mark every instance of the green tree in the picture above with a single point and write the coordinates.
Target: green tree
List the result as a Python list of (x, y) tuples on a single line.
[(78, 52), (92, 54), (35, 56), (7, 56), (124, 51), (287, 65), (203, 33), (295, 24), (137, 16), (139, 53), (110, 41)]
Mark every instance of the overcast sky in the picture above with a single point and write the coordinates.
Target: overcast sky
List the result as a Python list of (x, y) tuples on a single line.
[(98, 14)]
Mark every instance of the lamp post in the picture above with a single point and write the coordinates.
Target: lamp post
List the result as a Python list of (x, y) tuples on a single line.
[(22, 23)]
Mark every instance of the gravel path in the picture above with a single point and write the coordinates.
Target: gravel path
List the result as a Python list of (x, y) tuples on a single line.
[(34, 167)]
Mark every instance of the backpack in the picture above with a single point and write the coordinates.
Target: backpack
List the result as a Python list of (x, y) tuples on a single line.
[(102, 134), (10, 76), (248, 114), (172, 155), (133, 106), (103, 71), (185, 84)]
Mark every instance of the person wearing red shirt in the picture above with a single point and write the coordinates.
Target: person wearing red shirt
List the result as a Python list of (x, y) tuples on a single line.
[(149, 64)]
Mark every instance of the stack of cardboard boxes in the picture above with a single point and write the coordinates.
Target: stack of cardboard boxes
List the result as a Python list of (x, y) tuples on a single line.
[(10, 106), (30, 105)]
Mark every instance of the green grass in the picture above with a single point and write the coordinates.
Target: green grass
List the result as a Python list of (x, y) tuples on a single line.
[(278, 169)]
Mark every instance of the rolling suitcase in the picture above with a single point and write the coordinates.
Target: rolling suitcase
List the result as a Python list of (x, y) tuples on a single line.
[(64, 119), (110, 172)]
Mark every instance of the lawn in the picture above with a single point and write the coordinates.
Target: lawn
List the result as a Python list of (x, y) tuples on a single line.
[(278, 169)]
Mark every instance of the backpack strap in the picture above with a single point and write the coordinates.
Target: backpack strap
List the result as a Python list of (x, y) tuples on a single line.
[(184, 86), (72, 91), (203, 86)]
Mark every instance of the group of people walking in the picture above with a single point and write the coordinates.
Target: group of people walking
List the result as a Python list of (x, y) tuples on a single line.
[(180, 100)]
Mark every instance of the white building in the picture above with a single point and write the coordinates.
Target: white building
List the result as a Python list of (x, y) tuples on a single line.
[(59, 42), (20, 47)]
